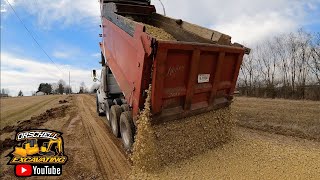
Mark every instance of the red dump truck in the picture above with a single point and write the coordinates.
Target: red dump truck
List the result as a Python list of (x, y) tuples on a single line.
[(195, 73)]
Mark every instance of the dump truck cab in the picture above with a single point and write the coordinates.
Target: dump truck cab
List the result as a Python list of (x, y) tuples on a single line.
[(109, 92)]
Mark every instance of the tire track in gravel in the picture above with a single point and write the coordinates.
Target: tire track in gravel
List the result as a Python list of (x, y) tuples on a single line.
[(91, 104), (113, 162)]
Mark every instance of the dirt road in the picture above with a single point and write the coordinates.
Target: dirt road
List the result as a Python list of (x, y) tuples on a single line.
[(81, 163), (93, 152), (113, 162)]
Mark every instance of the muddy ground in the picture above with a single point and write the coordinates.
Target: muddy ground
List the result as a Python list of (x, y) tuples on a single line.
[(94, 153)]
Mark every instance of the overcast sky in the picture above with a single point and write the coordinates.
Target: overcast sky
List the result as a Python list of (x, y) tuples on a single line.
[(68, 30)]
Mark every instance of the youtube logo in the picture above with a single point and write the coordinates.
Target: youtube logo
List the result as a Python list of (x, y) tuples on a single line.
[(23, 170)]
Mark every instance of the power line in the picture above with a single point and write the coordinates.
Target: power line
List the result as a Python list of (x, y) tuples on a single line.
[(32, 36), (164, 9)]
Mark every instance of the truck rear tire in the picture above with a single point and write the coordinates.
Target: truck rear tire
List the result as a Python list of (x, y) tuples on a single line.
[(109, 103), (127, 129), (115, 113), (125, 107), (98, 108)]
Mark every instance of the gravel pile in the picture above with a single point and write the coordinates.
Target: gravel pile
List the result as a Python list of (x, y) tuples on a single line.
[(251, 155), (157, 146), (159, 33), (182, 139)]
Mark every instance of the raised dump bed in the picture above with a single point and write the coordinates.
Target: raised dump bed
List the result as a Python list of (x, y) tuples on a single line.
[(192, 69)]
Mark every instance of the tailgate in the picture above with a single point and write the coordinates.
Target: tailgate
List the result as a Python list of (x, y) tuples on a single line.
[(193, 78)]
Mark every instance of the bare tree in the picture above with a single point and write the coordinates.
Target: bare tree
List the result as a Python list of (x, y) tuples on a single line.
[(304, 40), (283, 64), (286, 66), (314, 63), (4, 91), (67, 89), (83, 88), (55, 87), (248, 74), (267, 59), (293, 60)]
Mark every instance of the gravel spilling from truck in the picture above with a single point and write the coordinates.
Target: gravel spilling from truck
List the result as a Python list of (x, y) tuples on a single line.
[(144, 149), (182, 139), (157, 146)]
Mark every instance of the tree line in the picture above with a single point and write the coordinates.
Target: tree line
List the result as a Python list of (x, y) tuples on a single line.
[(59, 88), (285, 66), (54, 88)]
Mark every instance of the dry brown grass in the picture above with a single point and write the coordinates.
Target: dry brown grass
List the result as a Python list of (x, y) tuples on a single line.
[(23, 108), (286, 117)]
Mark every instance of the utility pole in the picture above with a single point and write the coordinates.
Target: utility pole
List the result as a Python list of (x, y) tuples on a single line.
[(69, 84)]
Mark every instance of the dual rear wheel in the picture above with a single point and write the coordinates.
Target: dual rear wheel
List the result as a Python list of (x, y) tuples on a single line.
[(115, 113), (127, 129), (107, 108), (98, 107), (122, 124)]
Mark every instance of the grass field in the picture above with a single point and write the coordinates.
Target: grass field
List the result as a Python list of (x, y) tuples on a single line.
[(23, 108), (286, 117)]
